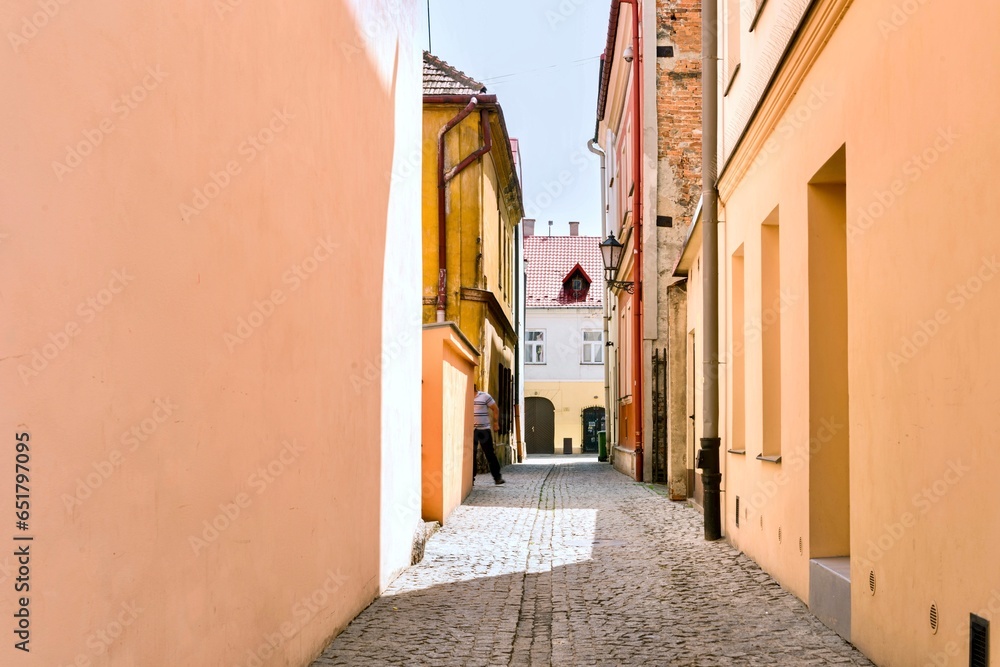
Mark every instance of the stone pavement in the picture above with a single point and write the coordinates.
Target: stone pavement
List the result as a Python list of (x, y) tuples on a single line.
[(572, 563)]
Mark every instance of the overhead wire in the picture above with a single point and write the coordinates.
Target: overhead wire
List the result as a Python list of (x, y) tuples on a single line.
[(501, 78)]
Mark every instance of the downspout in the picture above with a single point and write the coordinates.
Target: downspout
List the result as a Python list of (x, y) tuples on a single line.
[(592, 147), (708, 456), (637, 356), (443, 179), (517, 349)]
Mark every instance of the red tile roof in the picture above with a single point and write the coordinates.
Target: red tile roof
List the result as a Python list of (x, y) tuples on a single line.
[(440, 78), (551, 259)]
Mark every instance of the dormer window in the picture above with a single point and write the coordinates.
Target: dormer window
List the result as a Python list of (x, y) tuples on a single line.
[(576, 284)]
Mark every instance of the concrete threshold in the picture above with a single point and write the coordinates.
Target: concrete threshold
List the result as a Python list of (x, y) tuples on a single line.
[(830, 593)]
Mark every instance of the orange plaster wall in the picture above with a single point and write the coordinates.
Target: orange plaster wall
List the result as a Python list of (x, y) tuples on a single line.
[(204, 432), (449, 369)]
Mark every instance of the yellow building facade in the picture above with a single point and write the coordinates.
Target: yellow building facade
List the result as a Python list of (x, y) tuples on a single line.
[(470, 279), (858, 315)]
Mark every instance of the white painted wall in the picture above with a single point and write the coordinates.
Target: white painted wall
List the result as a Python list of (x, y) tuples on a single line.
[(401, 310), (563, 344)]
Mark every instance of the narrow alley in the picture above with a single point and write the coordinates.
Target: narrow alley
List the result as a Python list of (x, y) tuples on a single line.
[(572, 563)]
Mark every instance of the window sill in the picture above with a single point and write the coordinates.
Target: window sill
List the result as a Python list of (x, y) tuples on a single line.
[(741, 452), (769, 459), (732, 78), (756, 16)]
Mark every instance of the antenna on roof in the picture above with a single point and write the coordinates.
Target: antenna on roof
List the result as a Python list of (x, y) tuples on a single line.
[(429, 49)]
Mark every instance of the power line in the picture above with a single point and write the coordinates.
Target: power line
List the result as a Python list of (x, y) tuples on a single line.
[(498, 78)]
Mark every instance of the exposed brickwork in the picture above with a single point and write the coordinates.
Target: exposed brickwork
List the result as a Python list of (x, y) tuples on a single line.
[(678, 187), (678, 108)]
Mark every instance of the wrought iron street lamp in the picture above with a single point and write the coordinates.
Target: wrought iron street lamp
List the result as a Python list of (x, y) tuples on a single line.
[(611, 254)]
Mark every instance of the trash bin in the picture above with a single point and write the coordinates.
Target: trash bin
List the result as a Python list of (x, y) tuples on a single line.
[(602, 446)]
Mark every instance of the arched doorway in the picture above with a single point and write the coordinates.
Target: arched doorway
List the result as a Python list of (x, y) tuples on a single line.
[(539, 425), (593, 421)]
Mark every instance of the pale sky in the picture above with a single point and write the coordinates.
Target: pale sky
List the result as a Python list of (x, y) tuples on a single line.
[(540, 57)]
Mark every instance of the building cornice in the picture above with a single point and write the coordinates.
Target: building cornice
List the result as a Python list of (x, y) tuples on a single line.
[(492, 305), (814, 31)]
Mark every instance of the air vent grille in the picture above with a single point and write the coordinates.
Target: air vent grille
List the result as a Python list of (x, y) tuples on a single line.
[(871, 581), (934, 618), (737, 511), (979, 641)]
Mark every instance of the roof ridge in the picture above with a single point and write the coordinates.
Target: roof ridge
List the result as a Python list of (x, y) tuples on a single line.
[(453, 72)]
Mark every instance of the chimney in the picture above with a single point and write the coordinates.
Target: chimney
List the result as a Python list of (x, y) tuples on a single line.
[(574, 229), (528, 227)]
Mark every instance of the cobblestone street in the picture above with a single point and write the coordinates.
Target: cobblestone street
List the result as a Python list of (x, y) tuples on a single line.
[(572, 563)]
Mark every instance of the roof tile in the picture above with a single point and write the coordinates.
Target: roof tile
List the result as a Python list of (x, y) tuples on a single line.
[(440, 78), (550, 259)]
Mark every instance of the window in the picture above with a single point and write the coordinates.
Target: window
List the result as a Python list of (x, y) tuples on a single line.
[(577, 284), (534, 347), (593, 347)]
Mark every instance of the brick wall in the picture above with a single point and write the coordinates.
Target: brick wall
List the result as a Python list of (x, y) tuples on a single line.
[(678, 108), (678, 188)]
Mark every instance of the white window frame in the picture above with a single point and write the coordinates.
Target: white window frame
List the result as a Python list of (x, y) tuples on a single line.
[(594, 345), (530, 345)]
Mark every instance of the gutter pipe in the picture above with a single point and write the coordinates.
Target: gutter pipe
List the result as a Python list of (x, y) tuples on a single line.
[(637, 357), (593, 148), (445, 177), (708, 456)]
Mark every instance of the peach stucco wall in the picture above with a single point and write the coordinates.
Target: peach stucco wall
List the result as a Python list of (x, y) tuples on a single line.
[(195, 203), (887, 430), (449, 372)]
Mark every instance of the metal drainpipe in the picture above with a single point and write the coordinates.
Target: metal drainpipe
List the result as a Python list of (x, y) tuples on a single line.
[(710, 441), (443, 179), (592, 147), (637, 356)]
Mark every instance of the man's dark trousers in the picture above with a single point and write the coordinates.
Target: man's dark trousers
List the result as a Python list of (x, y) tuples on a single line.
[(483, 437)]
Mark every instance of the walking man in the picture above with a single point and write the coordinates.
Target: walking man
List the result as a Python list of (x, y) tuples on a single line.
[(486, 414)]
